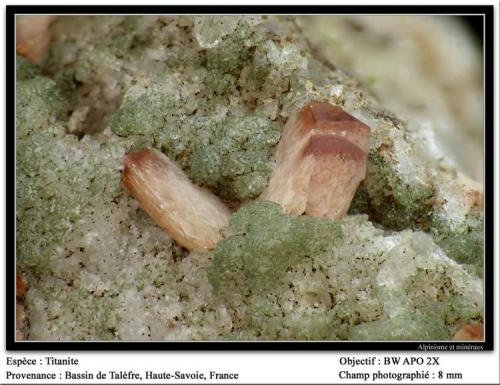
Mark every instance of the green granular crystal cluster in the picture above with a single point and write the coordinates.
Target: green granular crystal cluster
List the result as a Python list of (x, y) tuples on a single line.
[(392, 201), (59, 179), (231, 157), (288, 277), (262, 243), (39, 102), (462, 241), (401, 191)]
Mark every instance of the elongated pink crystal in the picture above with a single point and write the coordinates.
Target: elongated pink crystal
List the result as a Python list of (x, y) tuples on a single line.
[(191, 215)]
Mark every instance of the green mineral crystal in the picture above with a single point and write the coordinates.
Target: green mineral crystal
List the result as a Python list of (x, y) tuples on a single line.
[(60, 180), (262, 243), (39, 102), (231, 157), (229, 154)]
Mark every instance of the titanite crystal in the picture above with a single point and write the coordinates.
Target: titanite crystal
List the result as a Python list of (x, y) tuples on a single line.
[(321, 159), (191, 215), (32, 36)]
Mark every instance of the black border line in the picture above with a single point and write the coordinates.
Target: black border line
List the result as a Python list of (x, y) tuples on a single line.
[(489, 177), (481, 10), (249, 9), (10, 190)]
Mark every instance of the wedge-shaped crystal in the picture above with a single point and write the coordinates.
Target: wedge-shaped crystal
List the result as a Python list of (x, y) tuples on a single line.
[(191, 215), (320, 161)]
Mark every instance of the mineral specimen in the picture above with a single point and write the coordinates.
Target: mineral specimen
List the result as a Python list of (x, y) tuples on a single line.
[(404, 263), (321, 159), (191, 215)]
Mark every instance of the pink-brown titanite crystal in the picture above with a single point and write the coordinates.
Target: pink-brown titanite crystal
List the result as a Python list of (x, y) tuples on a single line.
[(191, 215), (320, 161)]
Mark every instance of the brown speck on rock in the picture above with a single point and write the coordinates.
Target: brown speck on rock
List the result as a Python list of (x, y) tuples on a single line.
[(20, 286), (21, 317), (471, 332)]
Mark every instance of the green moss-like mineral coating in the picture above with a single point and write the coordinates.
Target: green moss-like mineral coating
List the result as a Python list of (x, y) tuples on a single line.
[(69, 313), (59, 182), (269, 321), (101, 73), (399, 204), (355, 280), (144, 110), (392, 201), (231, 154), (234, 52), (39, 102), (25, 70), (232, 157), (262, 243), (409, 327), (464, 242), (315, 301), (435, 291), (59, 178)]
